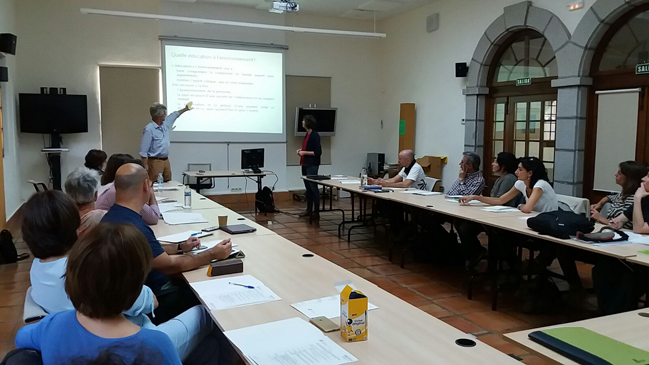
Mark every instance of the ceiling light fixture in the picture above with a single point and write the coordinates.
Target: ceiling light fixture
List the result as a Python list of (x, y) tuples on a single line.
[(127, 14)]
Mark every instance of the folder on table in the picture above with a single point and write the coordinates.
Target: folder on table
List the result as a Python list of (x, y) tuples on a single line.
[(587, 347)]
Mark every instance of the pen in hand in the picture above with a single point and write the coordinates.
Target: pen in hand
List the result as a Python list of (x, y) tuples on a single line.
[(245, 286)]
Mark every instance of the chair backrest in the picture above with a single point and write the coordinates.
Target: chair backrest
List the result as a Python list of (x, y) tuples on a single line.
[(430, 183), (32, 312), (23, 357), (577, 205), (38, 185)]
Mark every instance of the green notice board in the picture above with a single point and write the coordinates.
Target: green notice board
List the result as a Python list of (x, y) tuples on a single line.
[(402, 127)]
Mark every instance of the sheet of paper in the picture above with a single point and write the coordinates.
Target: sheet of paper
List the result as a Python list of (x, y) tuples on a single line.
[(160, 199), (346, 182), (221, 294), (638, 238), (165, 188), (501, 209), (426, 193), (209, 244), (292, 341), (328, 307), (183, 236), (183, 218), (524, 218)]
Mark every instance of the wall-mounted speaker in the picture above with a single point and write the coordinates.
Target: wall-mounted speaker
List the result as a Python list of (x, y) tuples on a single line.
[(432, 23), (4, 74), (461, 69), (8, 43)]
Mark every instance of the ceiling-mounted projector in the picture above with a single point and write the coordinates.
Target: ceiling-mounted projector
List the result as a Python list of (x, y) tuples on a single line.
[(284, 6)]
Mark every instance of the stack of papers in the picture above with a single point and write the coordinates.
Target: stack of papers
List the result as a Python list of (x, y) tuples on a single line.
[(324, 307), (292, 341), (223, 293), (637, 238), (426, 193), (345, 182), (471, 202), (165, 207), (161, 199), (500, 209), (165, 188), (182, 237), (183, 218)]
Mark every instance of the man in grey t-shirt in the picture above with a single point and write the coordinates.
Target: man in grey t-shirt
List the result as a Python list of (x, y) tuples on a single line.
[(411, 175)]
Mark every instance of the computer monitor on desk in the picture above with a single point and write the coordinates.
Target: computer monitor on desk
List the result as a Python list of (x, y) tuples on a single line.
[(252, 159)]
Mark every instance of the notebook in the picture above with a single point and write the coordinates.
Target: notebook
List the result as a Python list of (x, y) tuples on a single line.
[(238, 229), (587, 347)]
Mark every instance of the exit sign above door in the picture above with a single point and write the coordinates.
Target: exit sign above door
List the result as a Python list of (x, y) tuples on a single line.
[(525, 81)]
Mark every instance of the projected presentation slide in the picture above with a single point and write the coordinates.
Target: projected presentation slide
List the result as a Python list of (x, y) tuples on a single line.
[(232, 91)]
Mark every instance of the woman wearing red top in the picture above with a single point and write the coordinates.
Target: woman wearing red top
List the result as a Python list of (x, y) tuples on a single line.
[(310, 162)]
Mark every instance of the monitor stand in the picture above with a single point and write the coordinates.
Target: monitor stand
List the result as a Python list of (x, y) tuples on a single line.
[(54, 159)]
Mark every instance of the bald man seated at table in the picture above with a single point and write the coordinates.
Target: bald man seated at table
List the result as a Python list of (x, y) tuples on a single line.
[(411, 175), (132, 190)]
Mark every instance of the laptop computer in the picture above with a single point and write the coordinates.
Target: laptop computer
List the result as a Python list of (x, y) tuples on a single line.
[(238, 229)]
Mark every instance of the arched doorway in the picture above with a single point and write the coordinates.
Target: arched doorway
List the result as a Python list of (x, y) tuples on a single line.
[(521, 107), (618, 101)]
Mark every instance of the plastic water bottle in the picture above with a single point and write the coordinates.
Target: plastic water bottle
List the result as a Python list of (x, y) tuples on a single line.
[(160, 179), (188, 197), (363, 176)]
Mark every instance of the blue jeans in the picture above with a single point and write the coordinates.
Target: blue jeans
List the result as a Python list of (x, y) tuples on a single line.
[(187, 331), (312, 193)]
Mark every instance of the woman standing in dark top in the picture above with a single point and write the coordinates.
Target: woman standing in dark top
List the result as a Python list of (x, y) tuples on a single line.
[(310, 162)]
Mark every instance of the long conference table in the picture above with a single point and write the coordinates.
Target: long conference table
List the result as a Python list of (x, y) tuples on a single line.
[(399, 333), (515, 222), (628, 327)]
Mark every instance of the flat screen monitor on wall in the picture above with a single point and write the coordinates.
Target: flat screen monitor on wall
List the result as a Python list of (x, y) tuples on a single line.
[(325, 120), (46, 113)]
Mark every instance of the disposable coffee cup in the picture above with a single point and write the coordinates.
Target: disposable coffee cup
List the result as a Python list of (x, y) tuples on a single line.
[(223, 220)]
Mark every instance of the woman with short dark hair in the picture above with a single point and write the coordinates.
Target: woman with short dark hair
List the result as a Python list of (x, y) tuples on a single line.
[(104, 277), (310, 161), (95, 160)]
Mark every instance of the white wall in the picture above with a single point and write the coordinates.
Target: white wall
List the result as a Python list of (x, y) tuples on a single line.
[(58, 46), (419, 67), (11, 165), (61, 47)]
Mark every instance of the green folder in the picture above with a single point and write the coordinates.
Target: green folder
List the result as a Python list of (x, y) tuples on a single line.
[(587, 347)]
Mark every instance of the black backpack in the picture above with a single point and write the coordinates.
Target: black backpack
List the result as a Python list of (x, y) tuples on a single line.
[(264, 201), (560, 224), (8, 253)]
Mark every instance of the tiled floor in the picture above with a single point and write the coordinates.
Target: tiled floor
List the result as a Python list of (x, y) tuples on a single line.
[(437, 290)]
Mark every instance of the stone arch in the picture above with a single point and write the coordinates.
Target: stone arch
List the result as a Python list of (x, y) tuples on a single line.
[(590, 31), (515, 17)]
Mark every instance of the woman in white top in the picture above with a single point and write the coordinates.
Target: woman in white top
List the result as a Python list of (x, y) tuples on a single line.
[(532, 183)]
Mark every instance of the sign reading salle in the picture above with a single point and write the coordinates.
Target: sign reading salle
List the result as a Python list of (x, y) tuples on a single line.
[(525, 81), (642, 69)]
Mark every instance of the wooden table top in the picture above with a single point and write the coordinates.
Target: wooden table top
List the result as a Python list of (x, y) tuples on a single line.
[(628, 327), (399, 333)]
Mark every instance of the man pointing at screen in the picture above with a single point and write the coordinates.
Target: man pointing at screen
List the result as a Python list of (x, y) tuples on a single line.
[(154, 147)]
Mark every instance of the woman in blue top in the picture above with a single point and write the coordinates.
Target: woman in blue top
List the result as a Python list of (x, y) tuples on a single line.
[(104, 276), (310, 161)]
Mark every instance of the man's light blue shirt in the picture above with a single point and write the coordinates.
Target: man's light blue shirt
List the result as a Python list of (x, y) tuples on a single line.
[(155, 140)]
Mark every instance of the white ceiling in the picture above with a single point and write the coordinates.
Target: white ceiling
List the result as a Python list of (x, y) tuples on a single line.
[(355, 9)]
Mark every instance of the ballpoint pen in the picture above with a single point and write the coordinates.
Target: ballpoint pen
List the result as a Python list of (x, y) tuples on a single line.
[(245, 286)]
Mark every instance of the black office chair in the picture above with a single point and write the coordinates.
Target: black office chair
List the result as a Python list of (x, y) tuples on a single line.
[(23, 357)]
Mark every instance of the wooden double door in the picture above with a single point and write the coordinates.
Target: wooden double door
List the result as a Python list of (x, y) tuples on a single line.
[(523, 125)]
